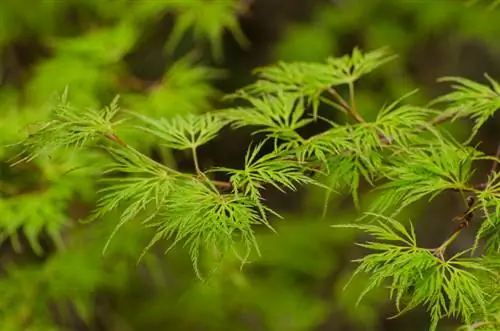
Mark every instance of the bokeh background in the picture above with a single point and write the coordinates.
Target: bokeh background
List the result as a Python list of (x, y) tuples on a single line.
[(173, 57)]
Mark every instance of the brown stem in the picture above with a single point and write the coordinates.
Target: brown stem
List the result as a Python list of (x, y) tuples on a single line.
[(221, 184), (441, 119), (226, 185), (493, 169), (495, 162), (334, 105), (351, 109), (479, 324), (344, 104), (115, 138), (464, 222)]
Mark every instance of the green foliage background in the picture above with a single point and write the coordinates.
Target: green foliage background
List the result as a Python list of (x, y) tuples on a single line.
[(177, 57)]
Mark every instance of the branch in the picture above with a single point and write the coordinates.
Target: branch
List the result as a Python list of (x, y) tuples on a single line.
[(115, 138), (464, 222), (222, 184), (468, 215), (441, 119), (225, 185), (493, 169), (349, 108), (195, 160), (495, 162), (334, 105), (477, 325)]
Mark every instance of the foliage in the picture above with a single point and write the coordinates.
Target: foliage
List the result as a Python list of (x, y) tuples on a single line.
[(208, 21), (115, 159), (446, 288), (401, 147)]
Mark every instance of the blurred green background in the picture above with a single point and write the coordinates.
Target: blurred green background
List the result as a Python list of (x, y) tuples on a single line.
[(169, 57)]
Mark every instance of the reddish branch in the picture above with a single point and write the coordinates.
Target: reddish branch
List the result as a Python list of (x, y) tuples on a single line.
[(495, 162), (115, 138), (466, 218), (351, 110), (464, 222), (222, 184)]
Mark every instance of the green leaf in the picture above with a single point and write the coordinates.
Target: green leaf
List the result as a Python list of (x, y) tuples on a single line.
[(281, 114), (403, 124), (145, 187), (70, 128), (489, 203), (202, 218), (310, 80), (446, 288), (471, 99), (184, 132), (425, 170), (273, 169)]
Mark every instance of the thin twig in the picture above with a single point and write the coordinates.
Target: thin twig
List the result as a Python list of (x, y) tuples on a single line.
[(470, 201), (464, 219), (222, 184), (352, 108), (493, 169), (339, 98), (334, 105), (442, 118), (349, 108), (115, 138), (226, 185), (495, 162), (479, 324), (195, 160)]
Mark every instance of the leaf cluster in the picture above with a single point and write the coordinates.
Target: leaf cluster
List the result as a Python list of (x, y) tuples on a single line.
[(417, 276), (311, 80), (70, 128), (401, 152), (471, 99)]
